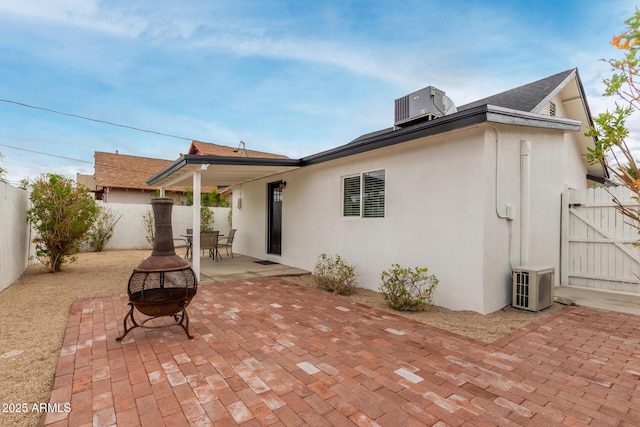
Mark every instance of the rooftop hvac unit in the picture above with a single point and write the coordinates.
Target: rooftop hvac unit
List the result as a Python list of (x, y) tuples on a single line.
[(425, 104), (533, 287)]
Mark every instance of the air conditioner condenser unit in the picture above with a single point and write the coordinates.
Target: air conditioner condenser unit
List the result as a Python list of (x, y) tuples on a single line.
[(533, 287)]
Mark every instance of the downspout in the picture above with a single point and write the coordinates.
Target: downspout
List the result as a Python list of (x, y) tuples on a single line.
[(525, 202)]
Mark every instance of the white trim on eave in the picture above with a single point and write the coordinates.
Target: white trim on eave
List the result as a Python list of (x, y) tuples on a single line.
[(557, 90), (521, 118)]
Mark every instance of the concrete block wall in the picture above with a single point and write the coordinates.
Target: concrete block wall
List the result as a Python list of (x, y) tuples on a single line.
[(130, 231)]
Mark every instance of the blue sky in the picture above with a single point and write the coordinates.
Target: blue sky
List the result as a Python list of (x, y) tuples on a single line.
[(289, 77)]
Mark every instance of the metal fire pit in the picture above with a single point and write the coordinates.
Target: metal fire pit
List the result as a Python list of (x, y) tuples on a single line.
[(164, 283)]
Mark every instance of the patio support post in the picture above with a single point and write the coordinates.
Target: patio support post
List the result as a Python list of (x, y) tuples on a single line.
[(195, 249)]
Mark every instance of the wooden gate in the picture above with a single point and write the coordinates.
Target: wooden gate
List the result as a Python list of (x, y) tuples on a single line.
[(597, 241)]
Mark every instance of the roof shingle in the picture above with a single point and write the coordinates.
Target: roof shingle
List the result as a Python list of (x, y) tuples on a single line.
[(209, 149), (124, 171), (523, 98)]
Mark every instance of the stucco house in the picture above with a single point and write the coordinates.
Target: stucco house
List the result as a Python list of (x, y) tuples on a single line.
[(470, 192), (121, 178)]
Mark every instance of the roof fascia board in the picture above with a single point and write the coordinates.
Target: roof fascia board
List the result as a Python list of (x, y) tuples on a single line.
[(175, 178), (459, 120), (169, 170), (455, 121), (522, 118), (197, 159), (441, 125), (585, 105)]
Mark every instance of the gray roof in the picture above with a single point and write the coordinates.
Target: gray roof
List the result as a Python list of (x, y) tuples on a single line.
[(514, 107), (523, 98)]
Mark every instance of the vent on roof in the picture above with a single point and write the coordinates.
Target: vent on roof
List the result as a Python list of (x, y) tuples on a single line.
[(552, 109), (423, 105)]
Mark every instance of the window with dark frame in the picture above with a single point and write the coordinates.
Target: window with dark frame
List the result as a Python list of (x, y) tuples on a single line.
[(364, 195)]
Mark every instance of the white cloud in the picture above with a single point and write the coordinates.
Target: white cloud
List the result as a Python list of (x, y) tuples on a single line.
[(86, 14), (50, 10), (195, 32)]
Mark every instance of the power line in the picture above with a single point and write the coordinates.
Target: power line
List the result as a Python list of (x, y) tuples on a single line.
[(22, 104), (105, 165), (45, 154)]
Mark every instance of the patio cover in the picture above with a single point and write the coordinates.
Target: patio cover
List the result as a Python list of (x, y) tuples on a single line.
[(194, 170)]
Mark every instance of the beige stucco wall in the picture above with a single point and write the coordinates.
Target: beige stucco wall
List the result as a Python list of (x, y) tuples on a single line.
[(425, 224), (130, 231), (554, 163), (446, 199)]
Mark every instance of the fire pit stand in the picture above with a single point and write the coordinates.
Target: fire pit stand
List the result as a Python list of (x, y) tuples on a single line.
[(164, 283)]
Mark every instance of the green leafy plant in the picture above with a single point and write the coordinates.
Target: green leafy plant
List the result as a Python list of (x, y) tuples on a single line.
[(102, 230), (62, 213), (335, 275), (408, 289), (211, 199), (149, 227), (206, 219), (610, 131)]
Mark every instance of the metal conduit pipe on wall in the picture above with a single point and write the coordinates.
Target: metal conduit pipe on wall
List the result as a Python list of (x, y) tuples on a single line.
[(525, 203)]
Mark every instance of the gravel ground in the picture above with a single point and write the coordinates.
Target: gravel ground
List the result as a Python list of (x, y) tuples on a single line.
[(485, 328), (35, 311)]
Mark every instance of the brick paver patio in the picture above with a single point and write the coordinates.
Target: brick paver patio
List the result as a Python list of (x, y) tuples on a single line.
[(267, 352)]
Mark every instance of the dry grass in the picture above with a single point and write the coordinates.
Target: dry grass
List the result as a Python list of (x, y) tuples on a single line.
[(35, 311)]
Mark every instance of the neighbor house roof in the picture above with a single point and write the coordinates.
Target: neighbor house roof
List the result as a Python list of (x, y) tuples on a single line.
[(116, 170), (209, 149)]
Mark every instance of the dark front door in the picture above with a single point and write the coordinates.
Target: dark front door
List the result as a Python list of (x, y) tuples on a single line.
[(274, 234)]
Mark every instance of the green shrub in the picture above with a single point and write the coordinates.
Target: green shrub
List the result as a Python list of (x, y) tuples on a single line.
[(62, 213), (335, 275), (408, 289), (206, 219)]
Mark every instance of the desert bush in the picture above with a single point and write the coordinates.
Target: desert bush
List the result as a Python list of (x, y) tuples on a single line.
[(335, 275), (408, 289), (149, 227), (102, 230), (62, 213)]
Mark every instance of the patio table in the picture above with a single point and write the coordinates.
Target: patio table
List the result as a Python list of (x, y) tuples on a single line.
[(189, 239)]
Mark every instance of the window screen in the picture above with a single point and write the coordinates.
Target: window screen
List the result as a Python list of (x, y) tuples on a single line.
[(363, 195), (351, 196), (373, 194)]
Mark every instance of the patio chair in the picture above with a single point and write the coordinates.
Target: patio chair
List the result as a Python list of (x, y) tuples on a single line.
[(183, 242), (209, 240), (188, 238), (227, 241)]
